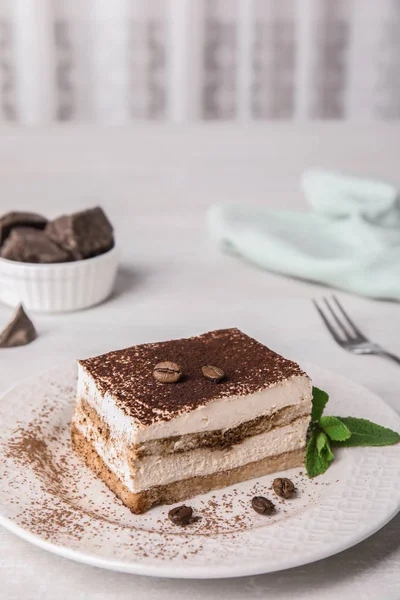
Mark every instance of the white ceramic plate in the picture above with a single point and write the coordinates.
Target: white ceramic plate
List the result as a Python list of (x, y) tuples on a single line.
[(48, 497)]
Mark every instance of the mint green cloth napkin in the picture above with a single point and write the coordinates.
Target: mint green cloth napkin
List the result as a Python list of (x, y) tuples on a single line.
[(349, 240)]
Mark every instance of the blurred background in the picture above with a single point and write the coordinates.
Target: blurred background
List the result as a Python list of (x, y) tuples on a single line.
[(182, 60)]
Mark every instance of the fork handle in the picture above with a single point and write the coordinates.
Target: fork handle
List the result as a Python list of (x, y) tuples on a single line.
[(391, 356)]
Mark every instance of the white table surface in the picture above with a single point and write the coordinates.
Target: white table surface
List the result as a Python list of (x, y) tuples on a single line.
[(155, 183)]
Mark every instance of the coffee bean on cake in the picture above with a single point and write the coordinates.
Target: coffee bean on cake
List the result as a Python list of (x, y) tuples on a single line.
[(167, 372), (214, 374)]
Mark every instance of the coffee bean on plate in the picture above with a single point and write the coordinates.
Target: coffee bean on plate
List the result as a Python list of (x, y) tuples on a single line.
[(180, 515), (262, 505), (283, 487)]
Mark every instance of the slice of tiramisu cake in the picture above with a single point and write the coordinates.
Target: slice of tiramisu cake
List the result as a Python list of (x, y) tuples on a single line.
[(162, 422)]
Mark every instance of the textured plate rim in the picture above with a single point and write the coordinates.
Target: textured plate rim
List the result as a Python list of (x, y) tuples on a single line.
[(169, 572)]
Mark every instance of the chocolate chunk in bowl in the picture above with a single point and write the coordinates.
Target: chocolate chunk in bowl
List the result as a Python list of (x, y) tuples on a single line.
[(14, 219), (28, 245), (84, 234)]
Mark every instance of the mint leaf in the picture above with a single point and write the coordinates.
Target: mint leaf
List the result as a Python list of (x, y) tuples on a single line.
[(317, 462), (321, 441), (324, 447), (366, 433), (319, 400), (335, 428)]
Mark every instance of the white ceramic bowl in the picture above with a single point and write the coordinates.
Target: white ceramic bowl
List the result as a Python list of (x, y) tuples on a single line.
[(58, 287)]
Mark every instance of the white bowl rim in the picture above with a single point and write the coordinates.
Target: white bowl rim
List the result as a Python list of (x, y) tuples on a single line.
[(73, 264)]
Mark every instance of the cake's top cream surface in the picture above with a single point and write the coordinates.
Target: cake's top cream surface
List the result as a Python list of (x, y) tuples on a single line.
[(126, 376)]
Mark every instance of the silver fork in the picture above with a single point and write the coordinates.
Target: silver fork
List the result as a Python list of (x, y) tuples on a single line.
[(346, 333)]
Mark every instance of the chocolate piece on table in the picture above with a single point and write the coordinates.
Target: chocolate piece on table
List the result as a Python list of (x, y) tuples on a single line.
[(84, 234), (11, 220), (19, 332), (25, 244)]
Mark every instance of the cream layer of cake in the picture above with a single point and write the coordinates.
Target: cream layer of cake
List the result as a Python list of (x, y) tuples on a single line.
[(144, 473)]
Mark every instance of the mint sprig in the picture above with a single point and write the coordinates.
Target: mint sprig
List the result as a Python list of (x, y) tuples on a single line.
[(328, 431)]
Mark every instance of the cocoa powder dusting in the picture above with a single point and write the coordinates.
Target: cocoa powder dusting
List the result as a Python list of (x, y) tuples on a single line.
[(127, 374), (49, 455)]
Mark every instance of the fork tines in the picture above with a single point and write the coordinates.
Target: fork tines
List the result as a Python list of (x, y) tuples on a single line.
[(338, 322)]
